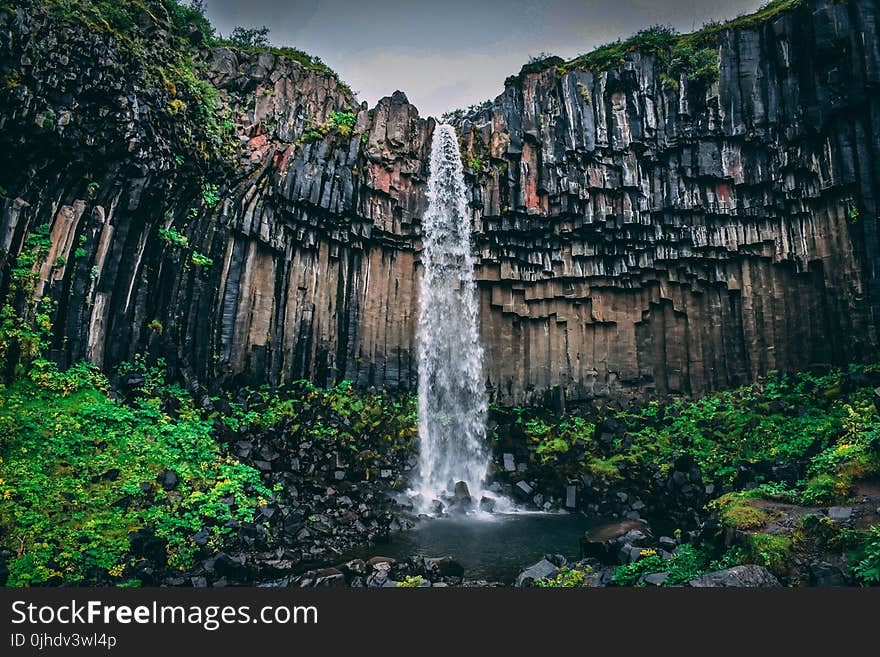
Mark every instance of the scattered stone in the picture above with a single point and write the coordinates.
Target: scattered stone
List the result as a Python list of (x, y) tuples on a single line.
[(509, 463), (570, 496), (840, 513), (655, 579), (524, 488), (667, 543), (444, 566)]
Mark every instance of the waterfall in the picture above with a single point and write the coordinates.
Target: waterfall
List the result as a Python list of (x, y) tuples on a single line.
[(452, 395)]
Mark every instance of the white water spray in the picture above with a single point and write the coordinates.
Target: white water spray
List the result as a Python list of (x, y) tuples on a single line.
[(452, 395)]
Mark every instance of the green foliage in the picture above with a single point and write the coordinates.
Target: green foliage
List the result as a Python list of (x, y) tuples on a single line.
[(339, 416), (246, 38), (340, 122), (655, 41), (25, 324), (173, 237), (801, 419), (567, 578), (866, 565), (687, 563), (411, 582), (475, 164), (769, 550), (738, 511), (696, 64), (536, 64), (693, 55), (200, 260), (210, 195), (79, 472)]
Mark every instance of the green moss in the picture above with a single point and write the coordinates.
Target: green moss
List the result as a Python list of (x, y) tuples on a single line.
[(740, 513), (772, 551)]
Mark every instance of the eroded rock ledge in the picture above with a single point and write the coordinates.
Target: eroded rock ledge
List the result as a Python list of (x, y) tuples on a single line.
[(633, 237)]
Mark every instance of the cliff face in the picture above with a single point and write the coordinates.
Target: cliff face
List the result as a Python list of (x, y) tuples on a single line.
[(635, 236)]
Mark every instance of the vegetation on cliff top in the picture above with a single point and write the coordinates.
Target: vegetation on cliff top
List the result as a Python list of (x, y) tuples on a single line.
[(694, 55)]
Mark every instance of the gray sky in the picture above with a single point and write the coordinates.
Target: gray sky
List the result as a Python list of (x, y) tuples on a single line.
[(452, 53)]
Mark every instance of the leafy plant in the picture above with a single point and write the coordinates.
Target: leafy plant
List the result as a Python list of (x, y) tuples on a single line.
[(411, 582), (173, 237), (867, 565), (253, 37)]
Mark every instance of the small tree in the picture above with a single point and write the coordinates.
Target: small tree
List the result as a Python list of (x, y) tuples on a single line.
[(246, 37)]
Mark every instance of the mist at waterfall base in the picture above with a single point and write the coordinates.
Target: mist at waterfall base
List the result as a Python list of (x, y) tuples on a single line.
[(453, 455)]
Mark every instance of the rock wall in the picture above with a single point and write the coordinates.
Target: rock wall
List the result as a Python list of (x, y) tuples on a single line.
[(634, 237)]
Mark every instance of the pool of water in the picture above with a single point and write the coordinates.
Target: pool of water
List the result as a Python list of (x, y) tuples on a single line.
[(494, 548)]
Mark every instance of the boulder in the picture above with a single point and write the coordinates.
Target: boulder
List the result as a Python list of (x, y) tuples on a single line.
[(825, 575), (540, 570), (604, 542), (744, 576)]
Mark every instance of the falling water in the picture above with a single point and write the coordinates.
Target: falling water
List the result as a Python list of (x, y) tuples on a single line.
[(452, 396)]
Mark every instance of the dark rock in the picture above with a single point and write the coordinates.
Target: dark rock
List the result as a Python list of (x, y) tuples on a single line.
[(168, 479), (231, 568), (487, 504), (603, 543), (570, 497), (655, 579), (444, 567), (539, 570), (825, 575), (667, 543), (745, 576)]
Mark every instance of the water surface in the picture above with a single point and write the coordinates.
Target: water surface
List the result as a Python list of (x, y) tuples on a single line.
[(495, 548)]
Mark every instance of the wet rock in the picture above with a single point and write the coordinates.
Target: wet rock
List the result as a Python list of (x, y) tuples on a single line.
[(570, 497), (523, 489), (840, 513), (603, 543), (825, 575), (540, 570), (461, 491), (744, 576), (444, 567), (487, 504), (509, 463)]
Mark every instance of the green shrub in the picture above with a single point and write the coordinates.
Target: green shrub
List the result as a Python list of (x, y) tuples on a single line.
[(867, 564), (74, 463), (173, 237)]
